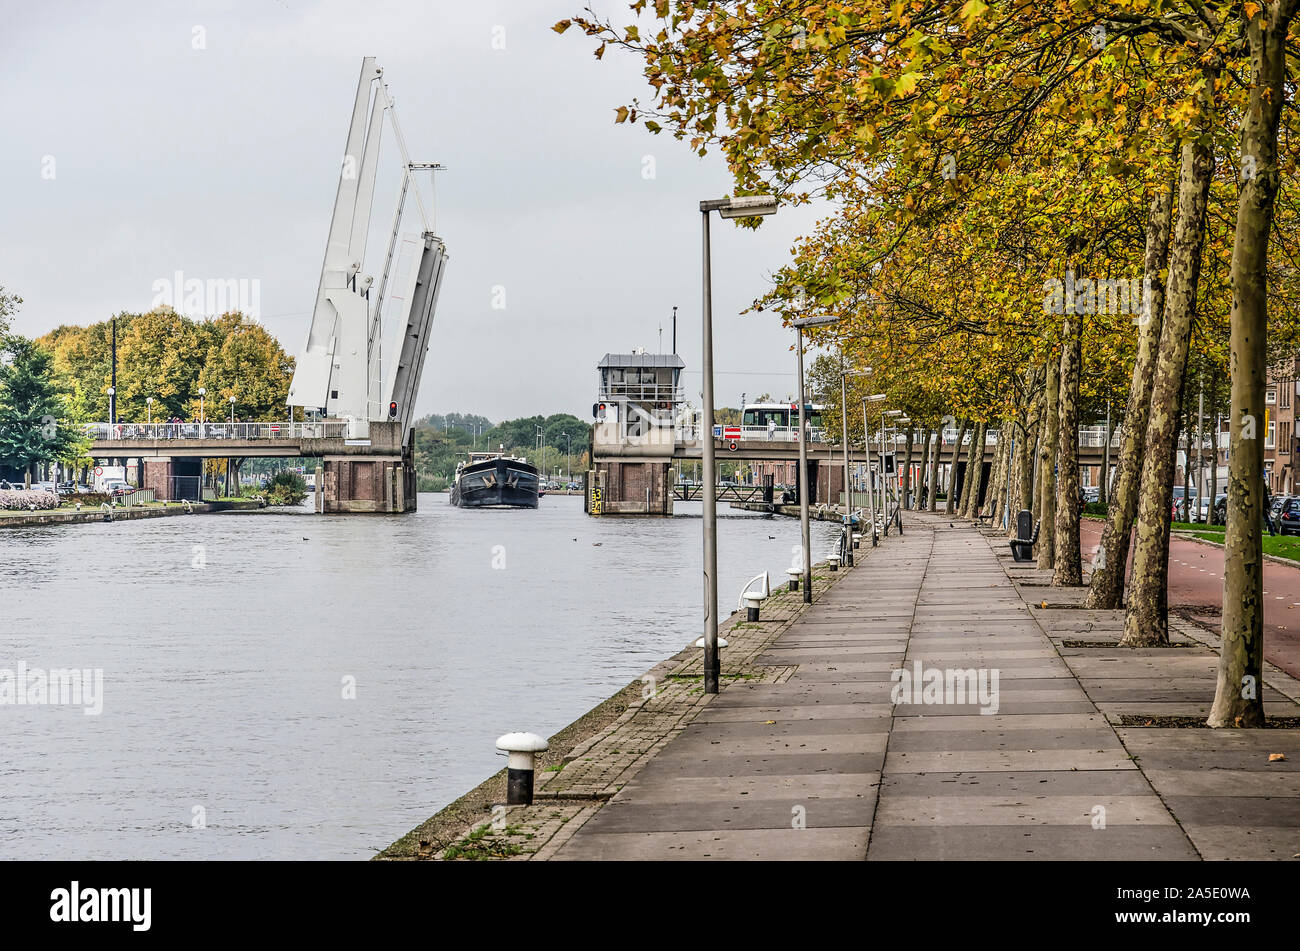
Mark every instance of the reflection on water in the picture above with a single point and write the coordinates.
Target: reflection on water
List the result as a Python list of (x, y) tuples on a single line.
[(225, 732)]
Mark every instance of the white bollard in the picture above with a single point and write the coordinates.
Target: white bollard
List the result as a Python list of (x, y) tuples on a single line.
[(523, 749), (751, 599)]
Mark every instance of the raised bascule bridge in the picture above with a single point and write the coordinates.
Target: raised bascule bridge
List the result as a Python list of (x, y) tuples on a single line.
[(645, 434), (352, 396)]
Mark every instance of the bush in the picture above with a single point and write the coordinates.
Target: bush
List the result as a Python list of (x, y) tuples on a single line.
[(1095, 508), (24, 500), (88, 500), (287, 488)]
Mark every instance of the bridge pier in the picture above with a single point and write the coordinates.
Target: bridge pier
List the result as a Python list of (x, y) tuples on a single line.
[(354, 484), (630, 487), (157, 474)]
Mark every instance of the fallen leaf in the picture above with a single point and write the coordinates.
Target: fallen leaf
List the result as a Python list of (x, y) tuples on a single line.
[(769, 722), (1277, 757)]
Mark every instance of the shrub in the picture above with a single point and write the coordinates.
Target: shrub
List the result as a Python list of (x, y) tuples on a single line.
[(24, 499), (287, 488)]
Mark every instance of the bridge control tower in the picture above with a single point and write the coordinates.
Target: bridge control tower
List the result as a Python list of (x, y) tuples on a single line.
[(635, 434)]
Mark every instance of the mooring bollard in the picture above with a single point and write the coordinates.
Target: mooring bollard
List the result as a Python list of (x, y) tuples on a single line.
[(722, 642), (752, 600), (522, 748), (794, 575)]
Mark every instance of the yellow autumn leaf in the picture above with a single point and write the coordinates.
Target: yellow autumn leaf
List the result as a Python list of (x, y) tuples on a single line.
[(972, 10)]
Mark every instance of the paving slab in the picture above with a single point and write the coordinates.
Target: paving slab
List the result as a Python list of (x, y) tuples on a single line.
[(1021, 843)]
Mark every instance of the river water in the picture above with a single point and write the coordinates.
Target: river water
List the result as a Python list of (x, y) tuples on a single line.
[(295, 686)]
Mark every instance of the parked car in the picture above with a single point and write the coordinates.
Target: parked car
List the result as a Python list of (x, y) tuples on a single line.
[(1092, 493), (115, 487), (1287, 516)]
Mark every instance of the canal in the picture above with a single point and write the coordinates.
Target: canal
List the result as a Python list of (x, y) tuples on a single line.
[(301, 687)]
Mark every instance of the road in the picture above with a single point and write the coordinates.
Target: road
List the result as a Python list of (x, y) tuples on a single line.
[(1196, 584)]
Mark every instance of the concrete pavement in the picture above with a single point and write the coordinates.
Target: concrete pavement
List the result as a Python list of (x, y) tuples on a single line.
[(1019, 731)]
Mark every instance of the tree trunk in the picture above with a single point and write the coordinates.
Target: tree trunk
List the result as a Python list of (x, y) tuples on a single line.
[(996, 477), (1146, 624), (1047, 467), (932, 497), (907, 469), (1027, 456), (921, 488), (1111, 560), (952, 474), (974, 470), (1214, 450), (1069, 570), (1238, 692)]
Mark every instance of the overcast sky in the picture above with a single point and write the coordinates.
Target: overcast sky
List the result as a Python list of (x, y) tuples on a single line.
[(221, 162)]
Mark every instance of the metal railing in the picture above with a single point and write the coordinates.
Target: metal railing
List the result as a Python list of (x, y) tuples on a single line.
[(642, 393), (324, 429), (688, 434), (1090, 437)]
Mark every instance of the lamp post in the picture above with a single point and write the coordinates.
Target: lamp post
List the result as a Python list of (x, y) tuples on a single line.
[(844, 444), (866, 443), (893, 445), (726, 208), (112, 409), (148, 409), (802, 482), (232, 413), (568, 461)]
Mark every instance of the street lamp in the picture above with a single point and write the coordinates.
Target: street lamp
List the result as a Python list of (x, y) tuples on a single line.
[(802, 482), (726, 208), (148, 409), (844, 429), (232, 412), (112, 408), (866, 442), (568, 461), (203, 391)]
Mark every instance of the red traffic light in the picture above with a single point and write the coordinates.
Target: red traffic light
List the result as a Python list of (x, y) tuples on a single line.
[(392, 410), (598, 412)]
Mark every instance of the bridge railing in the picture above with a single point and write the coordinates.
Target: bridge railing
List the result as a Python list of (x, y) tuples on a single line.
[(280, 431), (688, 435)]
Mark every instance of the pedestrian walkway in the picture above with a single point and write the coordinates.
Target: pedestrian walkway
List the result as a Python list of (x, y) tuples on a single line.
[(824, 767), (1020, 732)]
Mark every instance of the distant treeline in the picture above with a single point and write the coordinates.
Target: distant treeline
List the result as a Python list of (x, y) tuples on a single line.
[(442, 440)]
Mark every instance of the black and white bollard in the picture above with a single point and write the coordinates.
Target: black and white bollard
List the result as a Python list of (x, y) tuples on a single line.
[(522, 748), (753, 597), (722, 642), (794, 575)]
